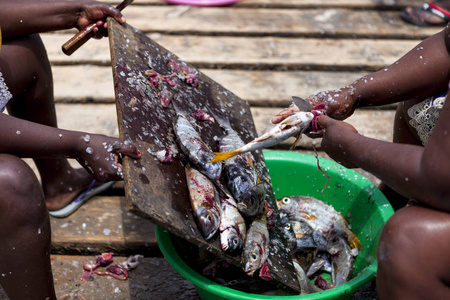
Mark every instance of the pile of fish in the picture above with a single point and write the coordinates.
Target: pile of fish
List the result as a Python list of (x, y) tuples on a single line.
[(320, 239), (236, 210)]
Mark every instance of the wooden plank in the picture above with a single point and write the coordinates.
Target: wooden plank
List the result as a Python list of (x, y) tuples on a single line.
[(154, 278), (330, 22), (253, 52), (94, 84), (375, 4), (103, 224), (295, 22)]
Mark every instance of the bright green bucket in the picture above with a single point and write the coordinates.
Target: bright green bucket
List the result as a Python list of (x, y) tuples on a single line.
[(364, 206)]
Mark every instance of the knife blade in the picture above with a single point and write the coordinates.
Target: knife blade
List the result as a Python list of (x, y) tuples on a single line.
[(302, 104), (86, 33)]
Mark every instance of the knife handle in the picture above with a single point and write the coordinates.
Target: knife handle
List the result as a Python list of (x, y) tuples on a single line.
[(79, 39)]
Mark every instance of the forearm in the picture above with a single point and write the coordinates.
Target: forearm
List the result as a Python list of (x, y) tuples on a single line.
[(26, 139), (420, 73), (405, 168), (21, 17)]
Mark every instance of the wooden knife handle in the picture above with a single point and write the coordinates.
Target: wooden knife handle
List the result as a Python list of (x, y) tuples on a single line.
[(79, 39)]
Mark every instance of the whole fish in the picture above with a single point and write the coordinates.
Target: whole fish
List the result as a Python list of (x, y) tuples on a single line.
[(240, 172), (205, 202), (198, 153), (318, 215), (291, 126), (232, 227), (342, 260), (256, 245), (306, 285)]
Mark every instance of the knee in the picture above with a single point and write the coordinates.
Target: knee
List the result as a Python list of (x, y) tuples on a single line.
[(397, 246), (21, 193)]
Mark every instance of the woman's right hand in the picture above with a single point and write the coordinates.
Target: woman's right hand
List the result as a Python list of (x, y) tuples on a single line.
[(101, 156)]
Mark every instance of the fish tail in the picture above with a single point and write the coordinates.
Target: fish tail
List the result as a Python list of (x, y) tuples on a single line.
[(355, 243), (224, 155)]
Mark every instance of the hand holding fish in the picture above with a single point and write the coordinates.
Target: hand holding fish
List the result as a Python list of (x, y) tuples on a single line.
[(335, 135)]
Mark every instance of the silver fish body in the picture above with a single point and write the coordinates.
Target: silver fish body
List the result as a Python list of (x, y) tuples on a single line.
[(342, 260), (306, 285), (256, 245), (205, 202), (291, 126), (318, 215), (240, 172), (232, 227), (198, 153)]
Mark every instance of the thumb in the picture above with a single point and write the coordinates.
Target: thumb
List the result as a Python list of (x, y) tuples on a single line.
[(325, 121), (129, 149)]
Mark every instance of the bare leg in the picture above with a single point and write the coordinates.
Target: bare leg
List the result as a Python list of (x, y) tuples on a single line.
[(403, 134), (413, 260), (27, 73), (25, 269)]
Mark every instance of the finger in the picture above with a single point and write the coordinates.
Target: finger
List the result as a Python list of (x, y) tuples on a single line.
[(116, 14), (325, 121), (129, 149)]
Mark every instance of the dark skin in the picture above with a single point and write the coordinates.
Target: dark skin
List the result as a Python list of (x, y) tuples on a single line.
[(413, 260), (30, 130)]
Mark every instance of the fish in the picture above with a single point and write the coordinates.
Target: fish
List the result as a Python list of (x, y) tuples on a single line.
[(232, 227), (318, 215), (342, 260), (306, 285), (197, 151), (205, 202), (291, 126), (288, 231), (256, 245), (240, 172)]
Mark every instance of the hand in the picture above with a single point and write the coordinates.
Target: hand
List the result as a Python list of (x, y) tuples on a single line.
[(101, 156), (336, 134), (339, 104), (96, 12)]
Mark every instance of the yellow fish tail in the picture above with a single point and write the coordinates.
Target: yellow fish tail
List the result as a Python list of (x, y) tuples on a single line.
[(355, 243), (223, 155)]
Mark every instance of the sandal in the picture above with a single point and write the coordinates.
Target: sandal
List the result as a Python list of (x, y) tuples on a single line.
[(80, 199), (424, 15)]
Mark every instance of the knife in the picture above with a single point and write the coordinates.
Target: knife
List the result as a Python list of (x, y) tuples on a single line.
[(86, 33), (302, 104)]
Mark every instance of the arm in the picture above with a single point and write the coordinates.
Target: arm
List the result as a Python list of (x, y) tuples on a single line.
[(98, 154), (422, 72), (23, 17), (415, 172)]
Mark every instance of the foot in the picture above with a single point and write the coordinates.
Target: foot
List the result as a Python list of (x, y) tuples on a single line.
[(60, 194), (419, 16)]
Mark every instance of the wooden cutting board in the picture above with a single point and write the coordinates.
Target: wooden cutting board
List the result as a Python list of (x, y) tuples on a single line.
[(156, 190)]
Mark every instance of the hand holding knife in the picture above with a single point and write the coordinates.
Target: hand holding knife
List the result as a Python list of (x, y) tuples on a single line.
[(86, 33)]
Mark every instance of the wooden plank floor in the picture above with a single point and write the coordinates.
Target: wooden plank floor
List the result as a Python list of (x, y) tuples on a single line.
[(263, 51)]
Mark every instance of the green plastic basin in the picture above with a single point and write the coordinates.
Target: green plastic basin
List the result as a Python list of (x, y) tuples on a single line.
[(363, 205)]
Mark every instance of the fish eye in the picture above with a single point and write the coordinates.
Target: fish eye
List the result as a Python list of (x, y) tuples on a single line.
[(209, 218), (235, 241), (286, 200), (287, 226), (254, 256), (335, 239), (252, 200)]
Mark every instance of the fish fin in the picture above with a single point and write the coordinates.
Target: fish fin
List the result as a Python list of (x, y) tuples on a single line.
[(297, 141), (355, 243), (223, 155)]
